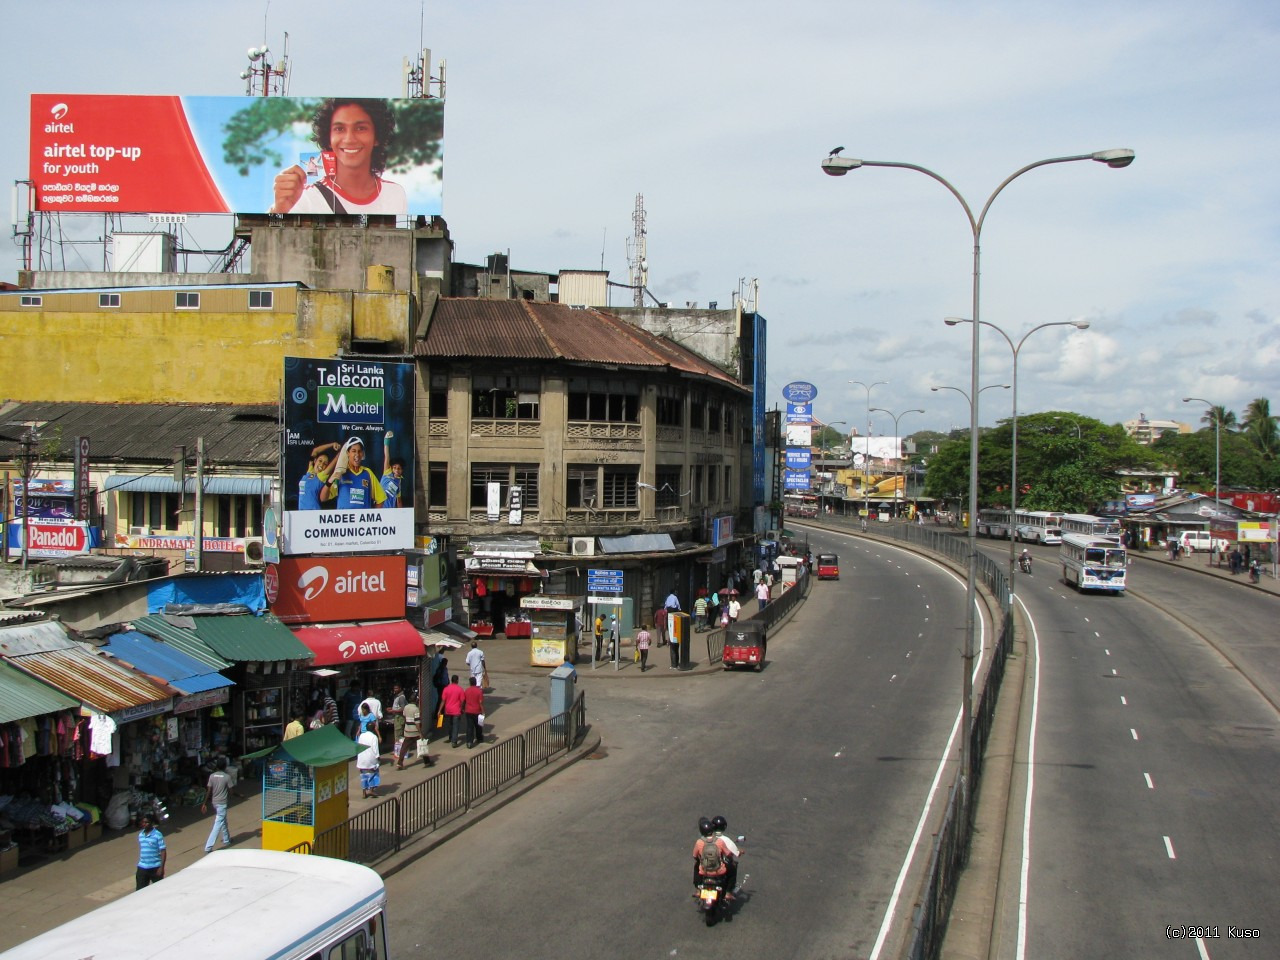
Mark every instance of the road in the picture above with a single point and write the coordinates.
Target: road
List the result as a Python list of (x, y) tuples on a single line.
[(1151, 762), (827, 761)]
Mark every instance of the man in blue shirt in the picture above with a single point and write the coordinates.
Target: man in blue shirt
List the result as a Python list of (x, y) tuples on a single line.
[(151, 853), (352, 483), (392, 472), (313, 481)]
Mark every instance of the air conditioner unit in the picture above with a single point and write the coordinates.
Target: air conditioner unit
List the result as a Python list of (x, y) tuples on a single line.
[(582, 546), (253, 551), (139, 531)]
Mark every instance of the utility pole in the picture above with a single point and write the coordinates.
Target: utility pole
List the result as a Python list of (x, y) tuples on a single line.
[(199, 519)]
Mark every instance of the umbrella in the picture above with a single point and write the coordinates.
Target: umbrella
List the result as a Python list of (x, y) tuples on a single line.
[(731, 592)]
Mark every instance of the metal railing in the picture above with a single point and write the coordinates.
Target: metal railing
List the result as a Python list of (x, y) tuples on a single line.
[(386, 826)]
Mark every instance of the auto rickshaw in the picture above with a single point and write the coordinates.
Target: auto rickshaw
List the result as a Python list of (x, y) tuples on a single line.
[(744, 644), (828, 566)]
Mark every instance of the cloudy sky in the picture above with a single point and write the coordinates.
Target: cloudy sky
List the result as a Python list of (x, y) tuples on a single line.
[(559, 113)]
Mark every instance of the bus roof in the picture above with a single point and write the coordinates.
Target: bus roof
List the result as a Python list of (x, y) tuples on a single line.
[(242, 903), (1091, 540)]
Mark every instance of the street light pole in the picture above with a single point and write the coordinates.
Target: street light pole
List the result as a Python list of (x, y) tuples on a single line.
[(896, 439), (837, 166), (866, 457), (1013, 483), (1217, 451)]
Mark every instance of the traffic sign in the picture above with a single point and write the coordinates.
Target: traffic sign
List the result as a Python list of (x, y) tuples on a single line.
[(604, 581)]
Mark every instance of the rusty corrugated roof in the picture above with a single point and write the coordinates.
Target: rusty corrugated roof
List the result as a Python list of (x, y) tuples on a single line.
[(91, 678), (465, 327)]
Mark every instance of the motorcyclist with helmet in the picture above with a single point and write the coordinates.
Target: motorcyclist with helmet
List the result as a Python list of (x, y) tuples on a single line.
[(720, 824), (701, 870), (1024, 560)]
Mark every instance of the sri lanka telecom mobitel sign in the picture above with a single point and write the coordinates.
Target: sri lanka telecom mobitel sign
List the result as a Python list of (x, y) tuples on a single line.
[(348, 456)]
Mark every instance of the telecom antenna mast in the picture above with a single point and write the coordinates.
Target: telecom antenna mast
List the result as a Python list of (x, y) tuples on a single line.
[(638, 253), (417, 73)]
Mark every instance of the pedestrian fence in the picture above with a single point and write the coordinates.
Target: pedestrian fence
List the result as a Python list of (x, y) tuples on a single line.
[(950, 851), (385, 827), (777, 608)]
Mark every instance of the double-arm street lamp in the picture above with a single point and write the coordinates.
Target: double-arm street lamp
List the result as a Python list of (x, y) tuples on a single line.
[(1013, 470), (866, 457), (1216, 415), (1075, 423), (837, 166), (899, 442)]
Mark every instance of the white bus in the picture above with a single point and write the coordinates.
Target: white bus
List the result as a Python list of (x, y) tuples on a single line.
[(1093, 563), (994, 522), (1038, 526), (1089, 525), (246, 904)]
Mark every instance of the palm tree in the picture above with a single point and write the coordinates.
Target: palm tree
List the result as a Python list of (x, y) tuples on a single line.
[(1260, 427), (1224, 418)]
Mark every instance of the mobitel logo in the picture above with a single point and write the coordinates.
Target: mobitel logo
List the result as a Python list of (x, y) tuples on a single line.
[(314, 580), (350, 393)]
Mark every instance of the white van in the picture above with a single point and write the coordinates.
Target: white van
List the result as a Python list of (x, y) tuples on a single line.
[(1193, 540)]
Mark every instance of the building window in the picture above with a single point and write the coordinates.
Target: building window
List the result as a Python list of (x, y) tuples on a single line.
[(237, 516), (523, 475), (667, 480), (696, 486), (505, 398), (619, 489), (713, 493), (582, 487), (697, 413), (108, 299), (437, 486), (29, 301), (728, 422), (154, 511), (261, 299), (438, 396), (714, 422), (728, 483), (185, 300), (602, 488), (669, 409), (602, 400)]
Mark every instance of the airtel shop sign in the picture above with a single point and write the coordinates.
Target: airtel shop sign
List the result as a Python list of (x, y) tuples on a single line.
[(331, 589)]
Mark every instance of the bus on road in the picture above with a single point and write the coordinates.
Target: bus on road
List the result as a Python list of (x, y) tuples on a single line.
[(242, 904), (1093, 563), (994, 522), (1089, 525), (1038, 526)]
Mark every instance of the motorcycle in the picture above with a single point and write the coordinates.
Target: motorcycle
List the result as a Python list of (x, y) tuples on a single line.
[(1024, 563), (712, 892), (1255, 572)]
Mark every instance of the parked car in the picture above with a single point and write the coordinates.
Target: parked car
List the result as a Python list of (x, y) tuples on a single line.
[(1193, 540)]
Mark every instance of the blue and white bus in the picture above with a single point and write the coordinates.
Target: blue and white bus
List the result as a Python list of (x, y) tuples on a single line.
[(1093, 563), (242, 904), (1089, 525)]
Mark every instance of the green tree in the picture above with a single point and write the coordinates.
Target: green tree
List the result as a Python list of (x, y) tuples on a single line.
[(1260, 427)]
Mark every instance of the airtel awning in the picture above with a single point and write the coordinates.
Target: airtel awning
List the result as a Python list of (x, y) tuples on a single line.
[(356, 642)]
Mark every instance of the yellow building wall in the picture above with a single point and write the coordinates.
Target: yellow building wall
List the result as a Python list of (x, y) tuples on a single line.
[(147, 351)]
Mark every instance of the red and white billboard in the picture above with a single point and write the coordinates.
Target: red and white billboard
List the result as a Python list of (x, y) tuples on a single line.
[(332, 589), (53, 539), (334, 646), (95, 153)]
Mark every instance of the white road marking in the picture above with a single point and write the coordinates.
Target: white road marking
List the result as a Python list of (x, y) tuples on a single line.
[(1204, 951), (1106, 651), (1168, 846), (1113, 671), (1024, 881), (1124, 702), (1134, 732), (1147, 777)]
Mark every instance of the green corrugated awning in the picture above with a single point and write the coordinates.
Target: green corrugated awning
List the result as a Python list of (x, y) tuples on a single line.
[(180, 638), (240, 639), (22, 696), (315, 748)]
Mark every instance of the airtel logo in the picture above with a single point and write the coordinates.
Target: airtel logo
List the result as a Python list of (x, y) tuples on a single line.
[(313, 582), (347, 648)]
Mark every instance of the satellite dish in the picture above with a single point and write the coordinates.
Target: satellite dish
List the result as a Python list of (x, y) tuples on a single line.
[(858, 458)]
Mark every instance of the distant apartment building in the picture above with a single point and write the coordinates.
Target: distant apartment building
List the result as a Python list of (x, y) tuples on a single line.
[(1148, 432)]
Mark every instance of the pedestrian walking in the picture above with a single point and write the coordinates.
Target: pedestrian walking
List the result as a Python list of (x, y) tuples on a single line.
[(762, 593), (451, 698), (294, 727), (350, 710), (660, 625), (473, 710), (367, 763), (218, 792), (439, 680), (614, 645), (151, 853), (700, 612), (1235, 559), (412, 718), (398, 702), (599, 633), (643, 638), (475, 663), (375, 708), (330, 708), (735, 608)]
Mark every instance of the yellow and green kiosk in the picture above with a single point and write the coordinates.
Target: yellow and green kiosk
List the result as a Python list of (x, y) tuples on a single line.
[(304, 791)]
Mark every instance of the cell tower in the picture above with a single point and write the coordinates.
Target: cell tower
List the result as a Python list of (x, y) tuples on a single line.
[(638, 253), (261, 77), (417, 73)]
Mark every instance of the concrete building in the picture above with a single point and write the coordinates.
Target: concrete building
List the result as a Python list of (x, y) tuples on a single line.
[(1148, 432)]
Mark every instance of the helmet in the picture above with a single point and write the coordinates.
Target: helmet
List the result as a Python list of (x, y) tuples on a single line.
[(719, 823), (706, 827)]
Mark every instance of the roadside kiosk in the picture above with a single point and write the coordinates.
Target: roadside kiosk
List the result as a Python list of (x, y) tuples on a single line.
[(304, 790)]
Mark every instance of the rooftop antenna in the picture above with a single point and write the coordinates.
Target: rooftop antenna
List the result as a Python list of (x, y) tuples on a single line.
[(638, 253), (417, 72), (262, 78)]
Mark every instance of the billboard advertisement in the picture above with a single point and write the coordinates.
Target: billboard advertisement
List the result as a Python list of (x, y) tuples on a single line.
[(320, 589), (93, 153), (348, 456), (51, 538)]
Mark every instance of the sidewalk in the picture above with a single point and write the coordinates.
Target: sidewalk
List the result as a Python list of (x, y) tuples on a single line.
[(54, 888), (1199, 563)]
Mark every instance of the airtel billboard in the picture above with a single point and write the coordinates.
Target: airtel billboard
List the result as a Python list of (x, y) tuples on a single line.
[(337, 589), (94, 153)]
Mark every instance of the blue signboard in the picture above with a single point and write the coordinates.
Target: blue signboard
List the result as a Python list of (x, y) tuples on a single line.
[(604, 581), (799, 458), (799, 413), (796, 480), (798, 391)]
